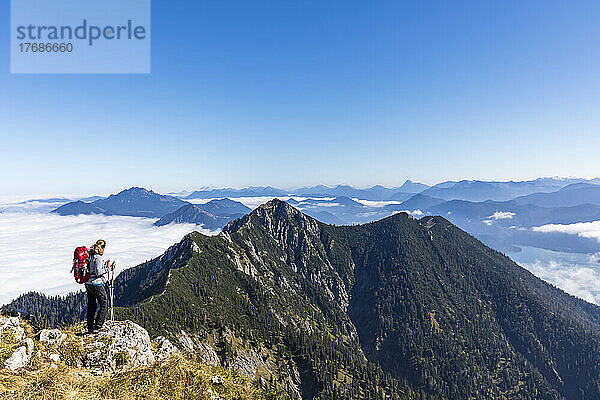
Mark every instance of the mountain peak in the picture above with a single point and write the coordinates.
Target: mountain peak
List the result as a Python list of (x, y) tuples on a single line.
[(276, 204), (136, 191), (134, 202), (412, 187), (279, 210), (276, 210), (273, 213), (212, 215)]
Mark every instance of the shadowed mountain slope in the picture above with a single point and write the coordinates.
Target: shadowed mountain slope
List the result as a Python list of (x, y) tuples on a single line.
[(213, 215)]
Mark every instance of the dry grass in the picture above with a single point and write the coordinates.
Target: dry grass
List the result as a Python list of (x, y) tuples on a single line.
[(176, 379)]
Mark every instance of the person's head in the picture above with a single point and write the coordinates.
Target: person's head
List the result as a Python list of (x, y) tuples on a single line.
[(98, 247)]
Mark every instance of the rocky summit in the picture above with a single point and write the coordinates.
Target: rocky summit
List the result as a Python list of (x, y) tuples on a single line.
[(118, 345), (118, 362)]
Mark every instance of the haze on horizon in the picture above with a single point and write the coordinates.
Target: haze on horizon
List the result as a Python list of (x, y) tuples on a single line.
[(16, 198)]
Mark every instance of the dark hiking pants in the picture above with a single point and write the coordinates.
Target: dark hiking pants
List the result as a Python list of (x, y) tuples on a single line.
[(96, 294)]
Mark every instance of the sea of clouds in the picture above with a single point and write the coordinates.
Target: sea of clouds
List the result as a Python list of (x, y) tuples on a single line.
[(250, 202), (577, 274), (584, 229), (36, 248)]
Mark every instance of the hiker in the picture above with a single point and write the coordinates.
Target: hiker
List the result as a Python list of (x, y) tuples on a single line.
[(96, 293)]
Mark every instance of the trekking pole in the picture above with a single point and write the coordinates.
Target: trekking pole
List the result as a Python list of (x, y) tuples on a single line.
[(112, 301), (112, 293)]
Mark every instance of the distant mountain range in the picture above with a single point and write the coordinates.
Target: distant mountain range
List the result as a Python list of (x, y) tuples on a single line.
[(48, 200), (498, 191), (471, 190), (253, 191), (499, 213), (376, 193), (449, 190), (134, 202), (339, 211), (139, 202), (400, 308), (506, 224), (213, 215), (568, 196), (503, 225)]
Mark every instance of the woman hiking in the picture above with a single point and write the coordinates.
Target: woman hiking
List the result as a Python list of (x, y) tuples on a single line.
[(94, 287)]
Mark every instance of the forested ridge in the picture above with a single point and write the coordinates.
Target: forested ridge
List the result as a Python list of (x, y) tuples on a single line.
[(399, 308)]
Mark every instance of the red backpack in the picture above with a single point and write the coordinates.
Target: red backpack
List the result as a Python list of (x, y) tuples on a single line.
[(81, 263)]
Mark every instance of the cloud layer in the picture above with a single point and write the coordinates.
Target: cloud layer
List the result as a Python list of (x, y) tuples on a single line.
[(498, 215), (36, 249), (584, 229), (251, 202), (577, 274), (578, 280)]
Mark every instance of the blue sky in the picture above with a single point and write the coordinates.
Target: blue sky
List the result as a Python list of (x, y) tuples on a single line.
[(291, 93)]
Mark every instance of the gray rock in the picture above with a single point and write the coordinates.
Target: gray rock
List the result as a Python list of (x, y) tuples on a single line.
[(18, 332), (19, 359), (217, 380), (54, 357), (28, 342), (128, 347), (207, 354), (292, 383), (186, 342), (165, 348), (95, 358), (9, 322), (204, 351), (13, 325), (52, 336), (246, 363)]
